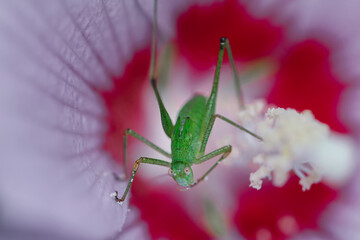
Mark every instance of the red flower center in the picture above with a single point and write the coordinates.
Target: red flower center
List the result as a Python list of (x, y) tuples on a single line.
[(278, 213), (305, 81), (123, 103), (200, 28)]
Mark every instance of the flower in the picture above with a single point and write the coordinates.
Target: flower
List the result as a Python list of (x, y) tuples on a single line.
[(68, 73)]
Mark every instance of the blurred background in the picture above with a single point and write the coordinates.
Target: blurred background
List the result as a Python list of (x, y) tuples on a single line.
[(74, 76)]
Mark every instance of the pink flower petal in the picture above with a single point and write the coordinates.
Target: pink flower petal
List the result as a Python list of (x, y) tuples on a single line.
[(55, 179)]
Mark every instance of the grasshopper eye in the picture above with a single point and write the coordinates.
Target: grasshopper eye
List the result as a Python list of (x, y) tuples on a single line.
[(171, 172), (187, 170)]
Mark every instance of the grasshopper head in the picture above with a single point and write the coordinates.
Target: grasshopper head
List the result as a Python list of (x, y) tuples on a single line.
[(182, 174)]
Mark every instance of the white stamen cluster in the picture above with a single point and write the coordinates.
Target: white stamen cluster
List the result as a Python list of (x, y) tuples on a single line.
[(290, 138)]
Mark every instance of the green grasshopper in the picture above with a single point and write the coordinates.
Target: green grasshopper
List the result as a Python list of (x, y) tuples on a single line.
[(190, 134)]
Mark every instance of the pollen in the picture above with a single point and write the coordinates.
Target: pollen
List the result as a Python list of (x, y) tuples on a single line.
[(252, 111), (113, 194)]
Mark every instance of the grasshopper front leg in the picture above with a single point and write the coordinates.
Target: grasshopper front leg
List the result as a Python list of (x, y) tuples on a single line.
[(152, 161), (225, 151)]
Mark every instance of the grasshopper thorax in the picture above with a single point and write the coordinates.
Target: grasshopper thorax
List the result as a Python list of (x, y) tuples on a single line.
[(182, 173)]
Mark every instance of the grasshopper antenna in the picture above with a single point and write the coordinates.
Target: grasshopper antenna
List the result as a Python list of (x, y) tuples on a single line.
[(165, 118), (153, 47), (239, 93)]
